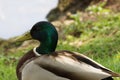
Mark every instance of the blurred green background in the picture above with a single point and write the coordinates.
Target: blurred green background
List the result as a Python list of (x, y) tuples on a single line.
[(93, 31)]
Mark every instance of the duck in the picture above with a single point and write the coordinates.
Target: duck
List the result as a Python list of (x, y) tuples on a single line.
[(45, 63)]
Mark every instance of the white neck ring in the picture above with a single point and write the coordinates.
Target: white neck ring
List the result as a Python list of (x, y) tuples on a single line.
[(36, 53)]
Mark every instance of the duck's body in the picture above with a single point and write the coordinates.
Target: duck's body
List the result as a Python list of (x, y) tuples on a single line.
[(60, 65)]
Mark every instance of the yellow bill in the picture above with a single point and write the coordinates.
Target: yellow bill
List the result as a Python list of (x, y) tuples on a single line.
[(24, 37)]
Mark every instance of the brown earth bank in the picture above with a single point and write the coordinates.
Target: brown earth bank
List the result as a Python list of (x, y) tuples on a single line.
[(72, 6)]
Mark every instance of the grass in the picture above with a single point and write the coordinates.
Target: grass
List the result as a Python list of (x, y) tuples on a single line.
[(8, 63), (99, 39), (7, 68)]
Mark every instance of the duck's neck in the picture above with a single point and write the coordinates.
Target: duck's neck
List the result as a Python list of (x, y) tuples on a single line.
[(48, 46)]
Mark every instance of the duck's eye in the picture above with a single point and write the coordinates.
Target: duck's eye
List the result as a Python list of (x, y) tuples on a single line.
[(36, 28)]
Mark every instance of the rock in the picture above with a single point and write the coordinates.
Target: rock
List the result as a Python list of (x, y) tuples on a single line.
[(73, 6)]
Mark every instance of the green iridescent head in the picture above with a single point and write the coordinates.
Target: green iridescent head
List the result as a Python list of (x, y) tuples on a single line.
[(46, 34)]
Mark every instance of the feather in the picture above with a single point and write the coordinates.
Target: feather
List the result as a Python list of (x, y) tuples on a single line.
[(63, 65)]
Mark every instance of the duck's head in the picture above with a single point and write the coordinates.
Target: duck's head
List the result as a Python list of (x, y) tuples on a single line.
[(45, 33)]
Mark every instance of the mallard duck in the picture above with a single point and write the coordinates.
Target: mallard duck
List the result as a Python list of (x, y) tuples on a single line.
[(44, 63)]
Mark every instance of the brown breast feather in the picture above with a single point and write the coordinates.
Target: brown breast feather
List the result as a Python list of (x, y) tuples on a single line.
[(27, 56)]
